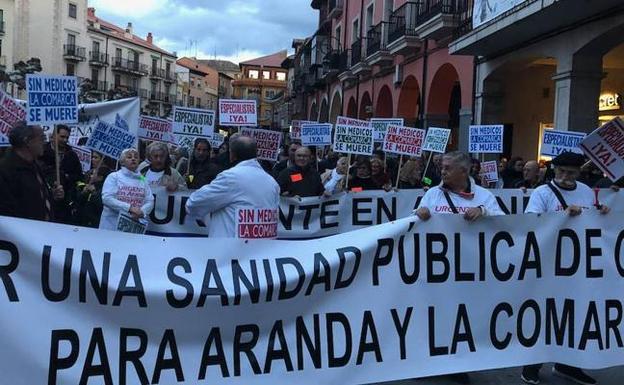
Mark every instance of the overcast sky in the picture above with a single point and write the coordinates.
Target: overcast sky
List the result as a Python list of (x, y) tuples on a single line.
[(236, 30)]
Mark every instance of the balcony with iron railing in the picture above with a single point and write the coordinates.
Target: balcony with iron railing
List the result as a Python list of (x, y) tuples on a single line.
[(358, 54), (98, 59), (335, 9), (129, 66), (169, 77), (74, 52), (437, 19), (157, 73), (402, 36), (157, 96), (376, 47)]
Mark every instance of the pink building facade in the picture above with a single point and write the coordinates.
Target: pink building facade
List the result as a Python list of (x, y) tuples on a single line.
[(385, 58)]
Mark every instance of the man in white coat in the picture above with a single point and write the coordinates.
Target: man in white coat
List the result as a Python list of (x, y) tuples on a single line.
[(243, 201), (563, 194), (458, 194)]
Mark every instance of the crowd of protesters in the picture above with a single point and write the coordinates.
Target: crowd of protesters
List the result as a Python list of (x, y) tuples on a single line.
[(31, 187)]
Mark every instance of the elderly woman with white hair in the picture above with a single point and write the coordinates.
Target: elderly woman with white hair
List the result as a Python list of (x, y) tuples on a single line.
[(126, 192), (158, 170)]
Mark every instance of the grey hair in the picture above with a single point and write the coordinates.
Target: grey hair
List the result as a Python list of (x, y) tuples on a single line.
[(461, 159), (124, 154), (243, 147), (155, 147)]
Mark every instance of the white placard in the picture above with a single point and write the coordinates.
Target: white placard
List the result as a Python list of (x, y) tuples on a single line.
[(234, 112), (353, 136), (486, 139)]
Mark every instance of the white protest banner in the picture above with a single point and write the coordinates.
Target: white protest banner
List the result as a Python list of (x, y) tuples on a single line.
[(353, 136), (192, 123), (155, 129), (84, 155), (110, 140), (267, 142), (316, 134), (486, 139), (123, 113), (52, 99), (486, 10), (125, 308), (557, 142), (605, 147), (404, 140), (234, 112), (314, 217), (380, 126), (489, 171), (217, 140), (436, 139), (295, 128), (11, 112)]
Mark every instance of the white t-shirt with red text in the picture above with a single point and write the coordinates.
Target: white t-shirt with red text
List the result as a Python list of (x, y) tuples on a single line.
[(437, 203), (544, 200)]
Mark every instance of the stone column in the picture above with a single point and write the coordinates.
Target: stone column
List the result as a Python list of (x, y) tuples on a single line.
[(577, 87)]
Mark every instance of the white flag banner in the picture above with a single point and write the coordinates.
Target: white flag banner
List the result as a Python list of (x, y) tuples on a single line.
[(123, 113), (314, 217), (401, 300)]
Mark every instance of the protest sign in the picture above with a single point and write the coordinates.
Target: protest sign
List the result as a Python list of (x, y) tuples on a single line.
[(155, 129), (316, 134), (295, 128), (314, 217), (605, 147), (84, 155), (11, 112), (557, 142), (123, 113), (127, 224), (234, 112), (192, 123), (110, 140), (486, 139), (353, 136), (436, 139), (380, 126), (217, 140), (267, 142), (489, 171), (52, 99), (404, 140), (264, 312)]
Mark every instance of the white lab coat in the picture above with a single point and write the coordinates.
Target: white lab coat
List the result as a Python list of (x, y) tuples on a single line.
[(245, 186), (123, 189)]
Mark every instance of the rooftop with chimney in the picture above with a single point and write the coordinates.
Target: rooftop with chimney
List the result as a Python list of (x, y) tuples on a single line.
[(126, 34)]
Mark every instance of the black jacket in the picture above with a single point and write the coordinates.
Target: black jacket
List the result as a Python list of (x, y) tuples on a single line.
[(21, 193), (203, 173), (71, 169), (302, 182)]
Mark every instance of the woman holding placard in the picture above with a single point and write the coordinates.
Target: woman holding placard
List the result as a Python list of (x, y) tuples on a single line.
[(126, 195)]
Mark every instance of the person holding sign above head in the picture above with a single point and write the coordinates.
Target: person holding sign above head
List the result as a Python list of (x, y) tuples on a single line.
[(301, 179), (159, 171), (563, 194), (334, 180), (23, 190), (243, 201), (458, 193), (126, 193)]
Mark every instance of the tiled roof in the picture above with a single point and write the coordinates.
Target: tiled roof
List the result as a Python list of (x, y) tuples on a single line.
[(273, 60)]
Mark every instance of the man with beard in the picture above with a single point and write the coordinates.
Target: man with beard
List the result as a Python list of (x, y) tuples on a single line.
[(286, 163), (301, 179), (563, 194), (203, 170), (70, 170)]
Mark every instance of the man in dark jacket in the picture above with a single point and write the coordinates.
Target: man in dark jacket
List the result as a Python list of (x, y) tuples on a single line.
[(301, 180), (24, 192), (203, 170), (70, 169), (286, 163)]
